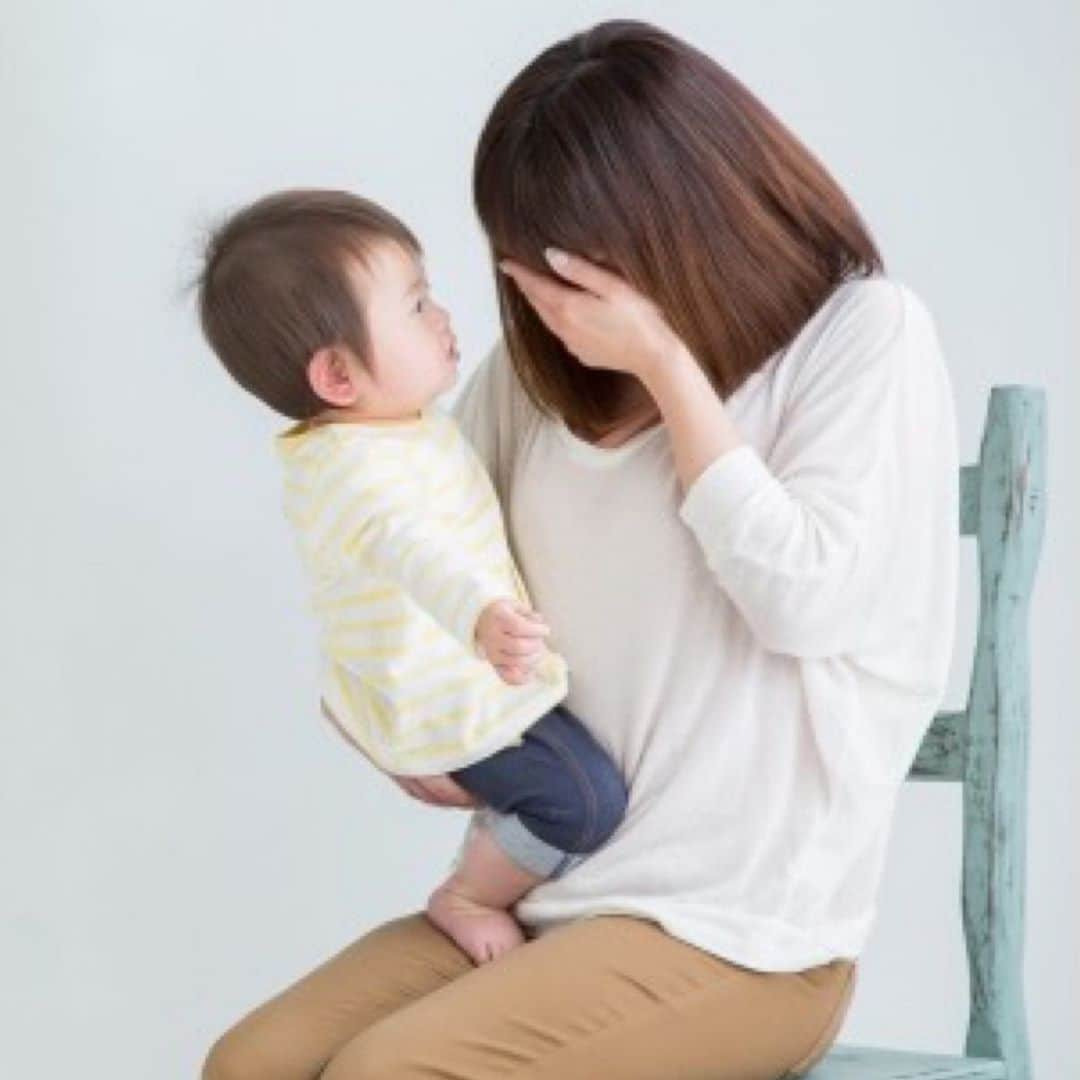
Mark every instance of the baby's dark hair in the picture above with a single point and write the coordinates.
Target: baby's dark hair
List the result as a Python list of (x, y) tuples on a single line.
[(274, 289)]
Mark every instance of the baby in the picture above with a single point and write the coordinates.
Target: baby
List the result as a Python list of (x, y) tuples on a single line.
[(434, 662)]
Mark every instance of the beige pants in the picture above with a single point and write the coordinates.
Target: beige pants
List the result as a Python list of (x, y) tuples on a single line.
[(607, 998)]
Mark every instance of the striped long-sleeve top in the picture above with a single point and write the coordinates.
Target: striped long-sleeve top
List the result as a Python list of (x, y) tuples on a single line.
[(401, 533)]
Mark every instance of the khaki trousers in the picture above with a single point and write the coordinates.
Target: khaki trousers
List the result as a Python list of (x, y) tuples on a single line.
[(611, 997)]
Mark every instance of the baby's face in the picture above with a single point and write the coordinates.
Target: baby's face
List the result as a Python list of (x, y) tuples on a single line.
[(413, 349)]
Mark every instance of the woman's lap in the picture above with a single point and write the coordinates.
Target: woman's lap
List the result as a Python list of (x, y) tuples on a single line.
[(611, 996)]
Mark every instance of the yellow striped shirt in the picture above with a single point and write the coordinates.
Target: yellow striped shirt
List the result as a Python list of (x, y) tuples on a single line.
[(401, 534)]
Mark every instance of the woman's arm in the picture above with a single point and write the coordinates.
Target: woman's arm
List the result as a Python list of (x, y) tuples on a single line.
[(698, 426), (436, 790), (799, 542)]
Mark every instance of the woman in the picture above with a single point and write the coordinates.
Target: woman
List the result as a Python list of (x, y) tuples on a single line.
[(725, 443)]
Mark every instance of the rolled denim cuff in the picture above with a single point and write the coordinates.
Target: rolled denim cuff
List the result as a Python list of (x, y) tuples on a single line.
[(518, 844)]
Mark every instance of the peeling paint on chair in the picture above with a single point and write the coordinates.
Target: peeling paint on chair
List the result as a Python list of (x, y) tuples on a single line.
[(985, 747)]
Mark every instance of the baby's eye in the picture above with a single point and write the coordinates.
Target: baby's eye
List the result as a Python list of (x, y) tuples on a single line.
[(420, 303)]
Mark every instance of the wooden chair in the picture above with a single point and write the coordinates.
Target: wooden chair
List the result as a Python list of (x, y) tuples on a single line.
[(985, 747)]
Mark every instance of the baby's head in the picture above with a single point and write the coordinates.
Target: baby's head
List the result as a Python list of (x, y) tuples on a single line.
[(317, 303)]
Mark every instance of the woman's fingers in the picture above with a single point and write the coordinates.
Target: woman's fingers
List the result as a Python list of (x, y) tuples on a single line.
[(412, 787), (599, 317), (540, 290), (580, 271), (443, 790), (552, 301), (440, 790), (573, 268)]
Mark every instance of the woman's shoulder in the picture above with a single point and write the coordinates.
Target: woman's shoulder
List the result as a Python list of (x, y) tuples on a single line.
[(874, 305), (876, 321)]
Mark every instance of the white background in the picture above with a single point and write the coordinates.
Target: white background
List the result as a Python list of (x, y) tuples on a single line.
[(182, 834)]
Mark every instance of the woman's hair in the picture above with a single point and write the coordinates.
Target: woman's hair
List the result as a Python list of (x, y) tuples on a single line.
[(630, 147), (275, 288)]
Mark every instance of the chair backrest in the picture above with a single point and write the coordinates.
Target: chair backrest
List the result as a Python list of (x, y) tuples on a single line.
[(1003, 505)]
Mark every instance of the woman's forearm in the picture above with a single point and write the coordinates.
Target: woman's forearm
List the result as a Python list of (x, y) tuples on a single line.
[(698, 426)]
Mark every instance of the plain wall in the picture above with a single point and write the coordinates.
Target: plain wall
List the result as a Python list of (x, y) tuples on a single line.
[(183, 835)]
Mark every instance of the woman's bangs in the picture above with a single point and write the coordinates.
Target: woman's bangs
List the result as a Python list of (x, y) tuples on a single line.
[(549, 200)]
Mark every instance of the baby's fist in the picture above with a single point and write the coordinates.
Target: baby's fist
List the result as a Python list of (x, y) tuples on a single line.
[(510, 635)]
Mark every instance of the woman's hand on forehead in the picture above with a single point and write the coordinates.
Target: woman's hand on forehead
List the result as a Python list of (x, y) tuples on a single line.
[(599, 317)]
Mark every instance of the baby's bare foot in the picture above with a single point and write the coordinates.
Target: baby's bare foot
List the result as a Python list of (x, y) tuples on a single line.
[(485, 933)]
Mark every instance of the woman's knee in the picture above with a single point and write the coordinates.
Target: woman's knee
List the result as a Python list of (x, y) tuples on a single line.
[(378, 1056), (235, 1056), (228, 1059)]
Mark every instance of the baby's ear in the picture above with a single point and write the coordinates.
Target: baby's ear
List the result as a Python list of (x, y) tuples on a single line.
[(333, 377)]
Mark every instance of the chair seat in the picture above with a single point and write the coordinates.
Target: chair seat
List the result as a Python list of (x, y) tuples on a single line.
[(870, 1063)]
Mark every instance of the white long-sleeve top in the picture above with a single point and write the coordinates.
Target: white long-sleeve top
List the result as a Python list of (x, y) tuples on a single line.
[(760, 655)]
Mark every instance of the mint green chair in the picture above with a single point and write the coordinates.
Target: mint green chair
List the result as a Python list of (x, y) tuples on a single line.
[(985, 747)]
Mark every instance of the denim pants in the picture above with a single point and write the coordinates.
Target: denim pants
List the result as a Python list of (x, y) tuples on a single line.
[(552, 799)]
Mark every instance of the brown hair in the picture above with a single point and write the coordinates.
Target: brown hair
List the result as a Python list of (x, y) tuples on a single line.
[(274, 289), (626, 145)]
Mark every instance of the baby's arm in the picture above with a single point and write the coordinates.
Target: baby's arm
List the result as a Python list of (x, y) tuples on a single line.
[(399, 541)]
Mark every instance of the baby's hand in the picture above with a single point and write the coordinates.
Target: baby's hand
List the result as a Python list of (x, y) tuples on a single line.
[(510, 636)]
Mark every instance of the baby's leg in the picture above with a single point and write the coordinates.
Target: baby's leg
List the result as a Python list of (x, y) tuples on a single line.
[(549, 801), (471, 905)]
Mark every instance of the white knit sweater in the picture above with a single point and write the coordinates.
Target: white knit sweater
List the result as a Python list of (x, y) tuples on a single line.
[(762, 655)]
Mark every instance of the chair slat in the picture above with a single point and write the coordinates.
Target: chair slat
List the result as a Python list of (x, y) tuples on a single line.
[(1003, 505), (1011, 513), (941, 755), (970, 480), (845, 1062)]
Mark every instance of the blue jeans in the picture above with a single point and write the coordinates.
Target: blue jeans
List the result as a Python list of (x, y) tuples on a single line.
[(551, 800)]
